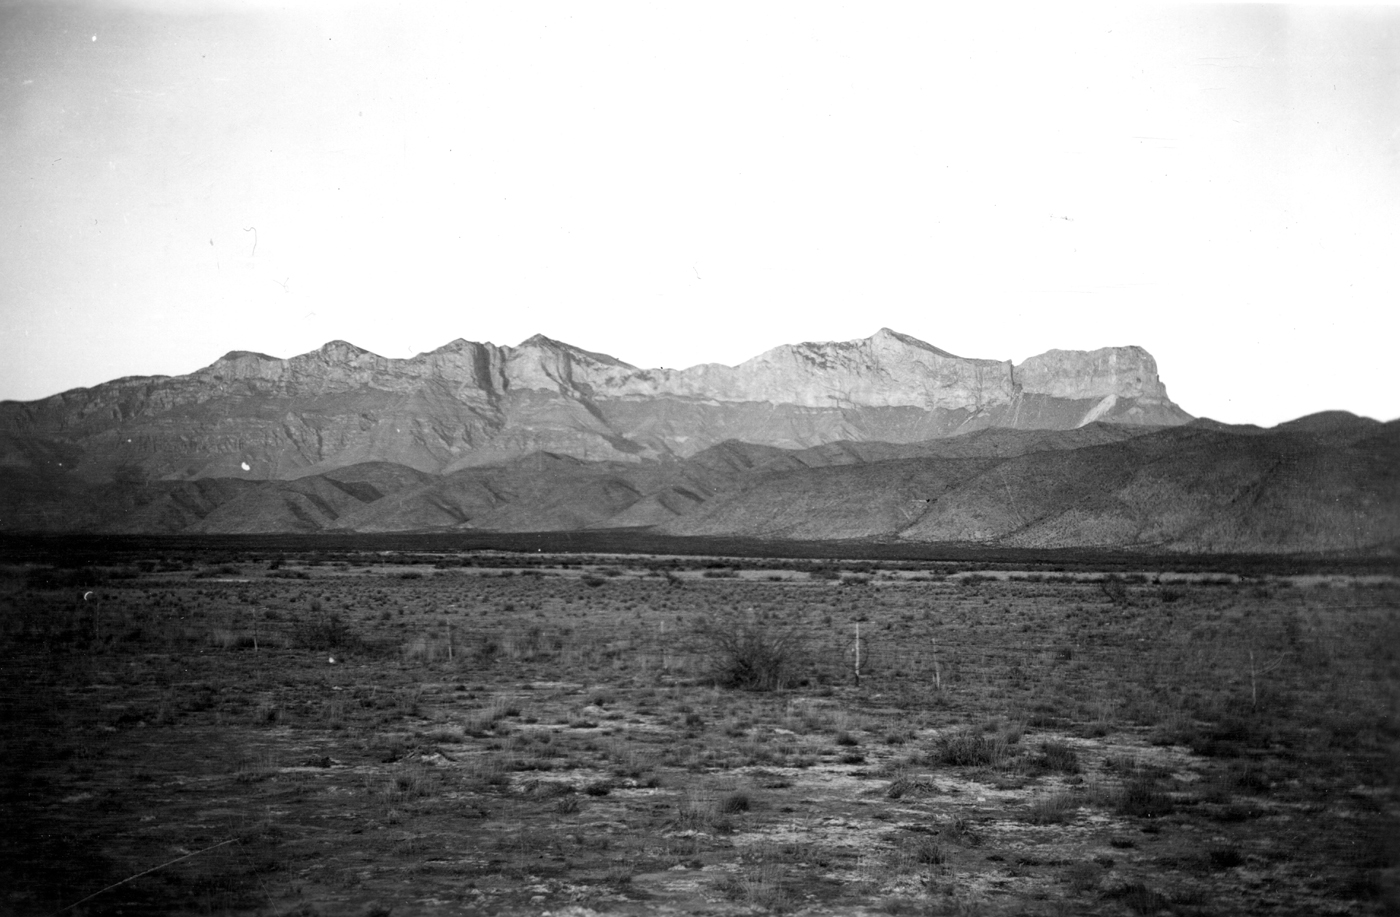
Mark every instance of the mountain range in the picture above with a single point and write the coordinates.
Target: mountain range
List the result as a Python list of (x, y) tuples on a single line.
[(887, 437)]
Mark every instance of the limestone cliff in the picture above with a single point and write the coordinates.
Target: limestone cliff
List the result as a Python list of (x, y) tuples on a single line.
[(468, 404), (1127, 372)]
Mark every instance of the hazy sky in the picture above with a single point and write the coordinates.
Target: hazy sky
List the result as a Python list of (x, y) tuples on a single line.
[(675, 184)]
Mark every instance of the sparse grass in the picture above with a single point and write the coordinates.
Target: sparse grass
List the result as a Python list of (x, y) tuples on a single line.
[(1141, 797), (537, 742), (927, 851), (960, 830), (760, 887), (1060, 757), (1083, 878), (1054, 808), (1138, 898)]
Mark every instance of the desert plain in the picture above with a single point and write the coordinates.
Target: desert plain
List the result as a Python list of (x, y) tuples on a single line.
[(264, 726)]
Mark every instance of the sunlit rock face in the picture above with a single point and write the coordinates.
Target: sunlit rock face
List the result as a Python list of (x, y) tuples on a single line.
[(1126, 372), (885, 370), (473, 404)]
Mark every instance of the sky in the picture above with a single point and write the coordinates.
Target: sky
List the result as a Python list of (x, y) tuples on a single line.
[(677, 184)]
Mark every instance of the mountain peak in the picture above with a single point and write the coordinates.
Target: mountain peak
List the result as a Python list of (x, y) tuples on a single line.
[(560, 348), (233, 355), (887, 336), (456, 345), (338, 347)]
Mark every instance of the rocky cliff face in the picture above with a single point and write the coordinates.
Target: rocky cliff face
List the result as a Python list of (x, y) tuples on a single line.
[(1125, 372), (470, 404)]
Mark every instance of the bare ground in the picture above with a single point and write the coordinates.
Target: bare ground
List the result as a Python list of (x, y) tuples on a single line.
[(560, 739)]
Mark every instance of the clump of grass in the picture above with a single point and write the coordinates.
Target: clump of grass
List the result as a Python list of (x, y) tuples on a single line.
[(323, 629), (760, 887), (547, 789), (488, 772), (1053, 809), (1221, 858), (1137, 897), (618, 876), (446, 734), (1141, 797), (734, 803), (479, 721), (255, 768), (699, 813), (1083, 877), (1059, 756), (969, 748), (960, 830), (927, 851), (907, 785), (409, 782)]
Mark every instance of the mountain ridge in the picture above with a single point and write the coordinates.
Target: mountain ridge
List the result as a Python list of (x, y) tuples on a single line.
[(882, 437), (1190, 488), (469, 403)]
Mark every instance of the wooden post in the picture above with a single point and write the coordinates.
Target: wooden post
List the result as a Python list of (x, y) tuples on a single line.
[(857, 654)]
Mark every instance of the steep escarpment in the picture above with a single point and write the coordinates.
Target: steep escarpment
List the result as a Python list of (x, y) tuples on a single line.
[(471, 404)]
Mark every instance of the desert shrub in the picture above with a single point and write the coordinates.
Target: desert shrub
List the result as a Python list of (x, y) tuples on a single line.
[(324, 629), (1220, 858), (1115, 590), (1059, 756), (1140, 797), (753, 655), (1052, 809), (1231, 737), (547, 789), (960, 830), (1083, 877), (1138, 898), (969, 748), (927, 851), (905, 785), (721, 573), (697, 812)]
